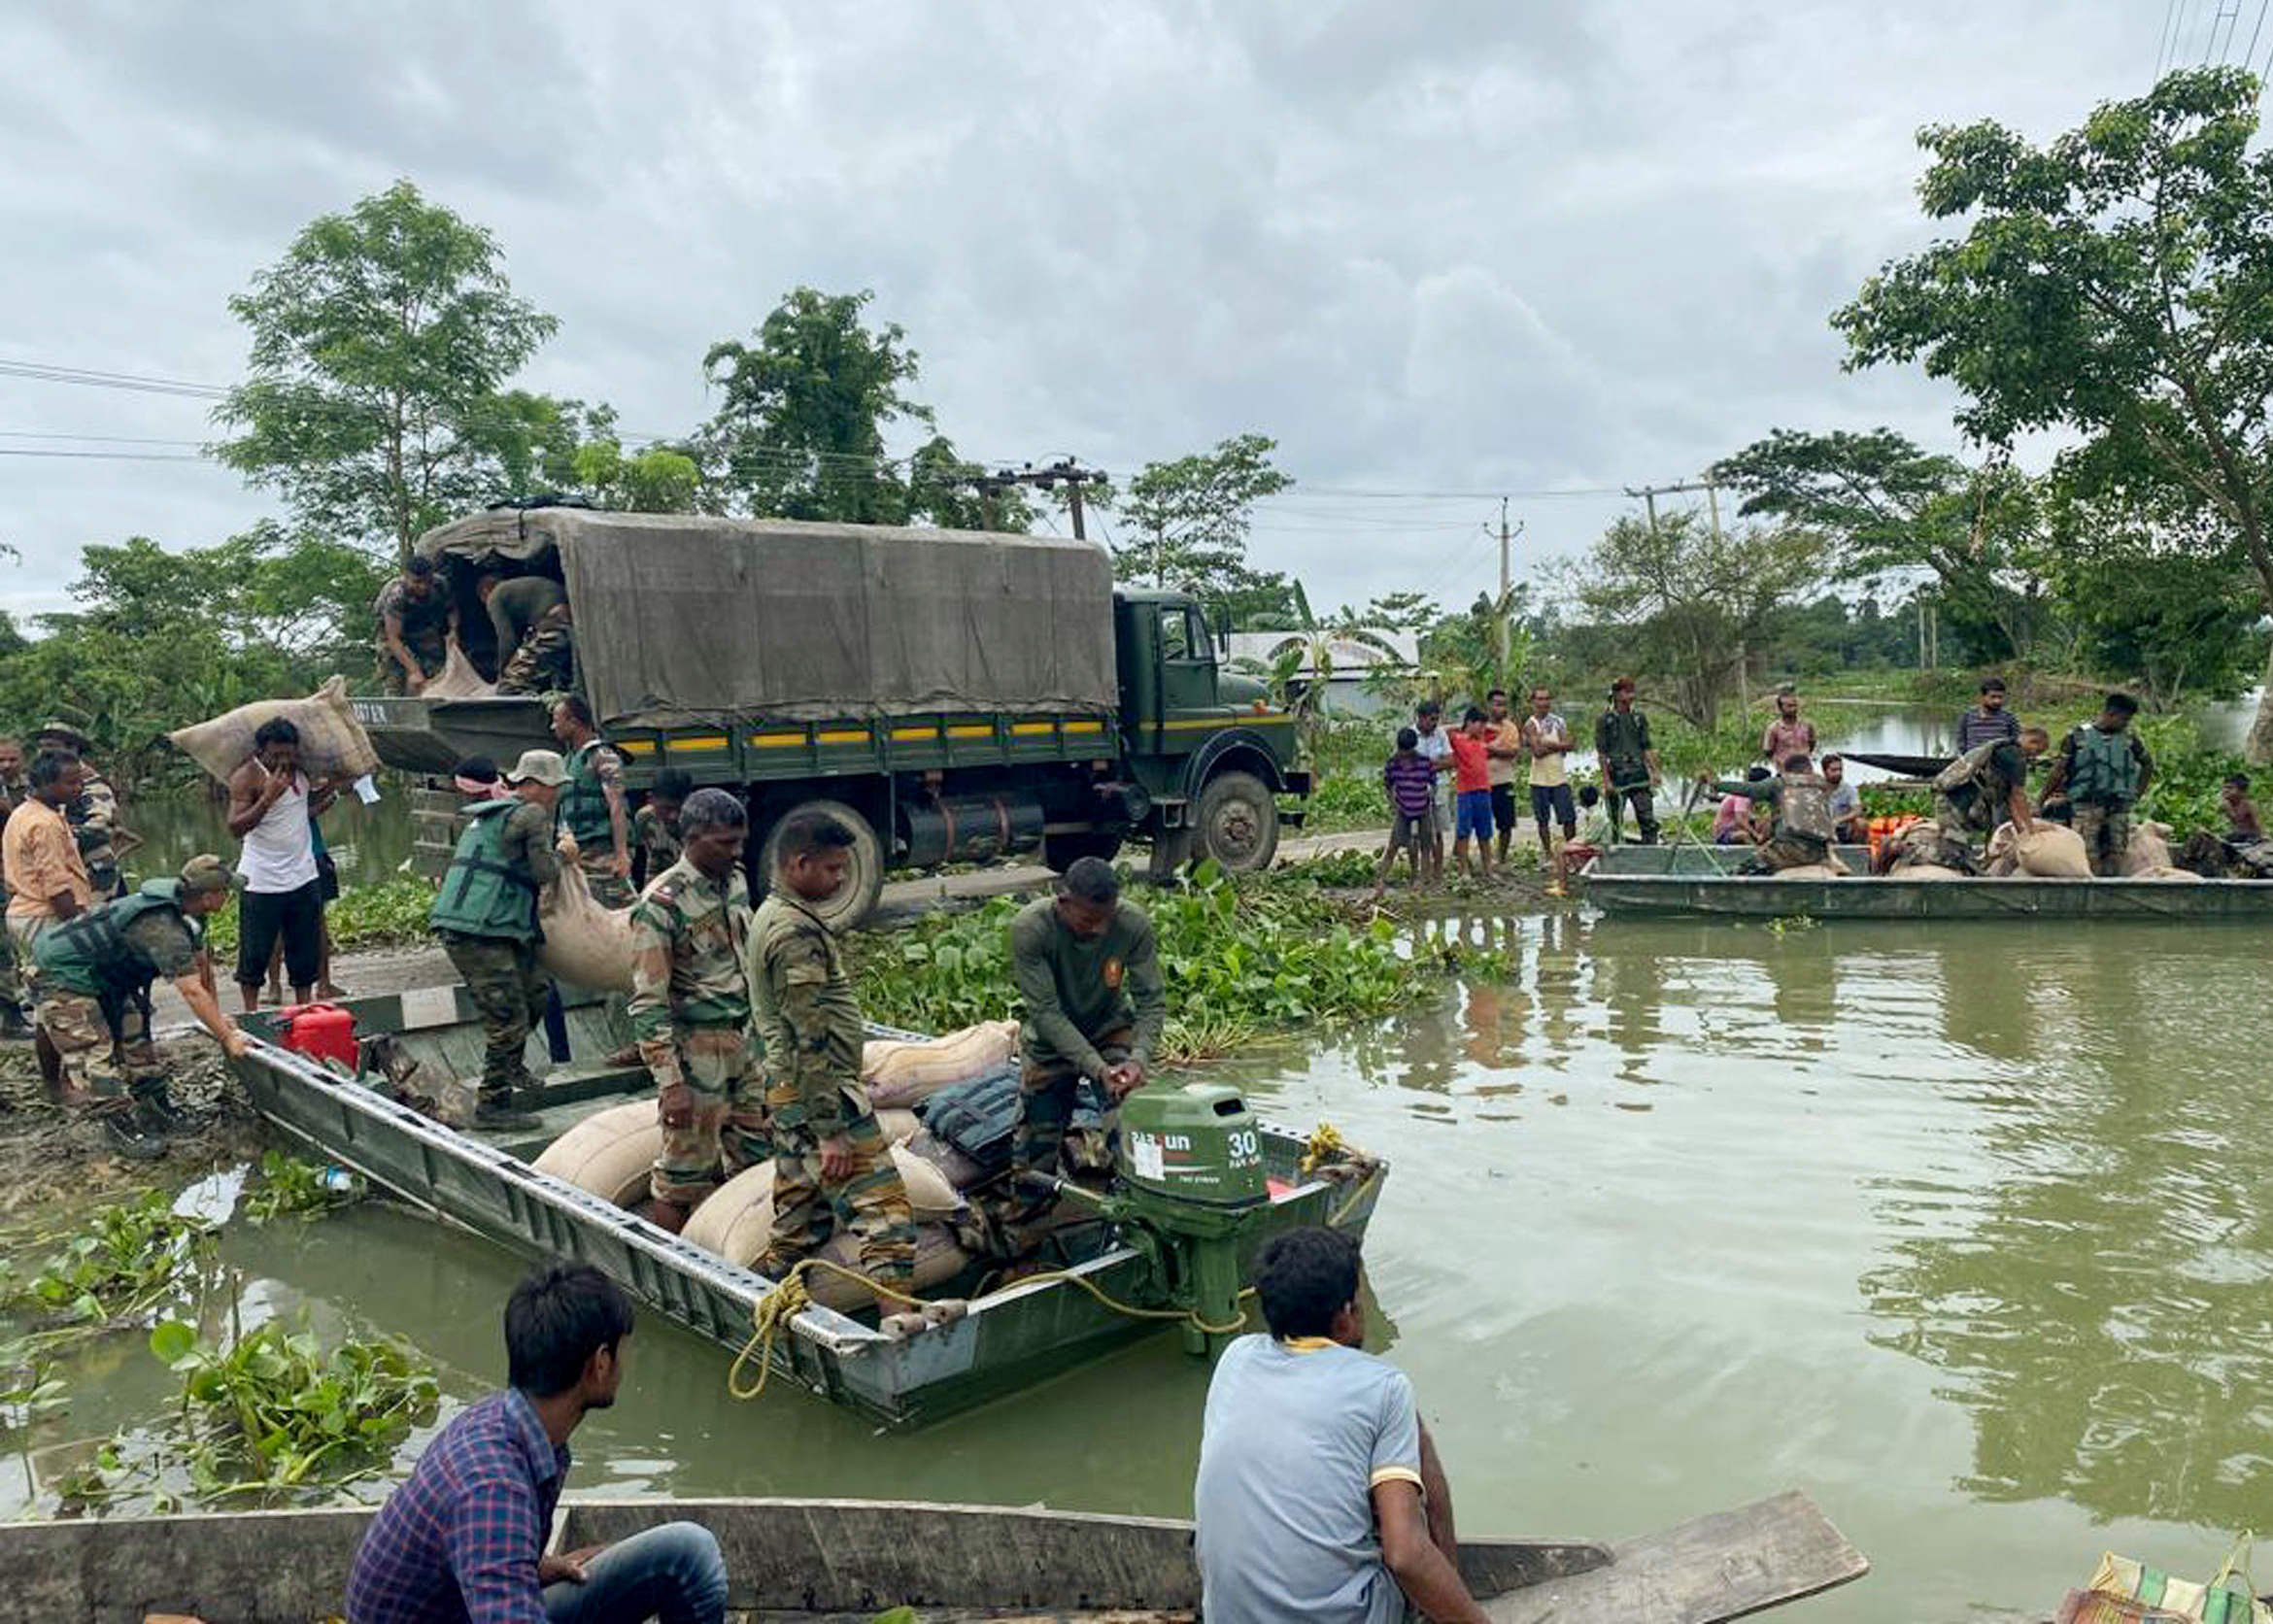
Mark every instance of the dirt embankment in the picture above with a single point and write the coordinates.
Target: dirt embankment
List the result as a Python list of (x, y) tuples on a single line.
[(49, 1156)]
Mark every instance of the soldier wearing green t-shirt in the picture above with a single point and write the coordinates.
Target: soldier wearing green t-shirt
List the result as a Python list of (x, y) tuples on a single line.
[(1089, 975)]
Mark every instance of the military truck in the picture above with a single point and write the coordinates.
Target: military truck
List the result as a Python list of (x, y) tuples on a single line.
[(950, 696)]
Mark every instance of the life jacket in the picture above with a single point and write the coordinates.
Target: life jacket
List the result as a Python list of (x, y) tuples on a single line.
[(1967, 767), (584, 805), (483, 895), (2105, 771), (92, 954), (1802, 807)]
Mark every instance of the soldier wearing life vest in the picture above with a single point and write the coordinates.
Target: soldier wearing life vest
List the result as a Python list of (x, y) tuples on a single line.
[(486, 914), (2104, 770), (1987, 786), (1800, 799), (94, 975), (593, 810)]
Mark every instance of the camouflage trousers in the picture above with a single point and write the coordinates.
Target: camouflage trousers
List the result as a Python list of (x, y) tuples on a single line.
[(429, 654), (23, 935), (1784, 851), (1046, 1097), (11, 992), (731, 1129), (108, 1064), (869, 1202), (2107, 835), (609, 889), (508, 989), (544, 664), (1964, 827)]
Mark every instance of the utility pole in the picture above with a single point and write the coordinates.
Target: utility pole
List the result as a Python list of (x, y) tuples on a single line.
[(1065, 471), (1506, 603)]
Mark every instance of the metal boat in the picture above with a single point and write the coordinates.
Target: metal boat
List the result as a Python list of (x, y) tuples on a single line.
[(846, 1560), (1010, 1337), (1694, 879)]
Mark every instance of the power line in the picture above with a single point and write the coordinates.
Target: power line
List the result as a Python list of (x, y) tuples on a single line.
[(108, 456), (97, 439), (42, 373), (2251, 55)]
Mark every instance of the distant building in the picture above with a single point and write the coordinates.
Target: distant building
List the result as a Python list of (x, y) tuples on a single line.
[(1353, 662)]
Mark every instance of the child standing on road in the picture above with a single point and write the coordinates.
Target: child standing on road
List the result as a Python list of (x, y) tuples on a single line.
[(1411, 779), (1471, 793)]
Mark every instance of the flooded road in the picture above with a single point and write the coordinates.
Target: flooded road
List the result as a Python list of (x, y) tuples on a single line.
[(1966, 1230)]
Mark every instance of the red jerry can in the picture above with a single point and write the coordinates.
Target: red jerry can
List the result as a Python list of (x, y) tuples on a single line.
[(319, 1031)]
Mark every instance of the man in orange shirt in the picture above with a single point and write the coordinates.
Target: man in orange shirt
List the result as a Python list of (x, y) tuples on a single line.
[(1471, 791), (47, 878)]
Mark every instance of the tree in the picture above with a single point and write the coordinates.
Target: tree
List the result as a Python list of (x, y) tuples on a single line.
[(1892, 507), (1299, 668), (1401, 612), (800, 433), (661, 478), (1692, 601), (380, 345), (1191, 514), (2115, 284), (943, 489)]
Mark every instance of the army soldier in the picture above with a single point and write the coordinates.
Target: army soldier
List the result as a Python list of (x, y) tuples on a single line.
[(831, 1167), (545, 663), (96, 972), (1089, 976), (655, 827), (592, 806), (416, 622), (486, 914), (95, 815), (691, 1009)]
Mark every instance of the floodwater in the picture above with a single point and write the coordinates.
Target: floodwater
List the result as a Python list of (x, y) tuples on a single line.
[(1964, 1229)]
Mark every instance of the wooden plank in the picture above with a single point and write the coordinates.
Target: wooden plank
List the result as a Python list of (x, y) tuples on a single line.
[(1718, 1566)]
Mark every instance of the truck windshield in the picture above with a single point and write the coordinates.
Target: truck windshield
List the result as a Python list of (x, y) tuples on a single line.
[(1179, 638)]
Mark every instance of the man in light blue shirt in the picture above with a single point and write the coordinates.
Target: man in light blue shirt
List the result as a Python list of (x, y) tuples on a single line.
[(1319, 1494)]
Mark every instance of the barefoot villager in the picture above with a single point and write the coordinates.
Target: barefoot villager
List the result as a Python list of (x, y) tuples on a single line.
[(690, 1010), (463, 1535), (271, 805)]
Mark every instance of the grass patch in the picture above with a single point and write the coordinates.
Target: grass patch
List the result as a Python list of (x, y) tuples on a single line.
[(389, 914)]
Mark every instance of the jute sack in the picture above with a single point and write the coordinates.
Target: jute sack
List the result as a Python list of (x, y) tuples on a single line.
[(939, 1259), (899, 1126), (961, 1169), (459, 680), (2165, 872), (585, 945), (610, 1153), (332, 742), (902, 1071), (736, 1219), (1925, 871), (2051, 852), (2150, 849)]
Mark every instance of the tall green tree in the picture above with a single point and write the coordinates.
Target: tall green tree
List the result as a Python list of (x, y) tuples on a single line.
[(381, 342), (1691, 602), (1185, 521), (2114, 282), (799, 430)]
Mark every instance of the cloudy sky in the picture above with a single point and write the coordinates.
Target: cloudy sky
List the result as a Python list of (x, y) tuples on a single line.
[(1438, 250)]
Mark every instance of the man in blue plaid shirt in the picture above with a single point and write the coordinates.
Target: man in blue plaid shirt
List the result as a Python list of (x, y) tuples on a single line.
[(463, 1539)]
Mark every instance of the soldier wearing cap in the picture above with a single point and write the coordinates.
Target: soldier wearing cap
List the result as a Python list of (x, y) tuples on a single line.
[(94, 814), (94, 976), (487, 917)]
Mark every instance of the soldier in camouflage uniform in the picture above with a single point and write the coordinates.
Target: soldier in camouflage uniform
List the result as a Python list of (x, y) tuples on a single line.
[(655, 827), (95, 815), (545, 663), (15, 789), (591, 804), (831, 1167), (691, 1010), (486, 914)]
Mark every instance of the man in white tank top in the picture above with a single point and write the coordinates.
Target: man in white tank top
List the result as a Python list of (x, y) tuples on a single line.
[(270, 803)]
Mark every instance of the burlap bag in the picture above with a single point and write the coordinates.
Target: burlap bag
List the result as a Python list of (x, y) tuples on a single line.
[(332, 742), (585, 945), (459, 680), (2051, 852)]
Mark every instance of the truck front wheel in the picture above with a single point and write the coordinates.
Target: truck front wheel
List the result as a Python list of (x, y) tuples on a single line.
[(1236, 822), (863, 881)]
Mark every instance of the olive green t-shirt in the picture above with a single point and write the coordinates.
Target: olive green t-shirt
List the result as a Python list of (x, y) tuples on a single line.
[(1077, 990)]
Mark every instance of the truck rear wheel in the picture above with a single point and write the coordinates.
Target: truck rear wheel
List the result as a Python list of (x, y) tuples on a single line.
[(1236, 822), (863, 882), (1060, 852)]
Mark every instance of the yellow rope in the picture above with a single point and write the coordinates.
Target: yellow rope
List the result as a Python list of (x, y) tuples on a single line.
[(784, 1302)]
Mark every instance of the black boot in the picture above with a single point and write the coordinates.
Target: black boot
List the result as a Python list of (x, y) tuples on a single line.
[(496, 1115), (128, 1137), (159, 1114), (13, 1028)]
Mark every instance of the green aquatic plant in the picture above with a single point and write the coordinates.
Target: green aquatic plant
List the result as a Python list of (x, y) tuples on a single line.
[(123, 1259), (291, 1188), (274, 1413)]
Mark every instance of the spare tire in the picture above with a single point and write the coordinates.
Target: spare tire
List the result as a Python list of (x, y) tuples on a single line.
[(610, 1153), (864, 883)]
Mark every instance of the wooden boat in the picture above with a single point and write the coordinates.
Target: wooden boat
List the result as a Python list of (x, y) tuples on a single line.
[(835, 1559), (1010, 1338), (1693, 879)]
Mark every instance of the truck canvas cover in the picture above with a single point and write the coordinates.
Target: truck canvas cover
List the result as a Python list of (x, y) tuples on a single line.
[(680, 618)]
